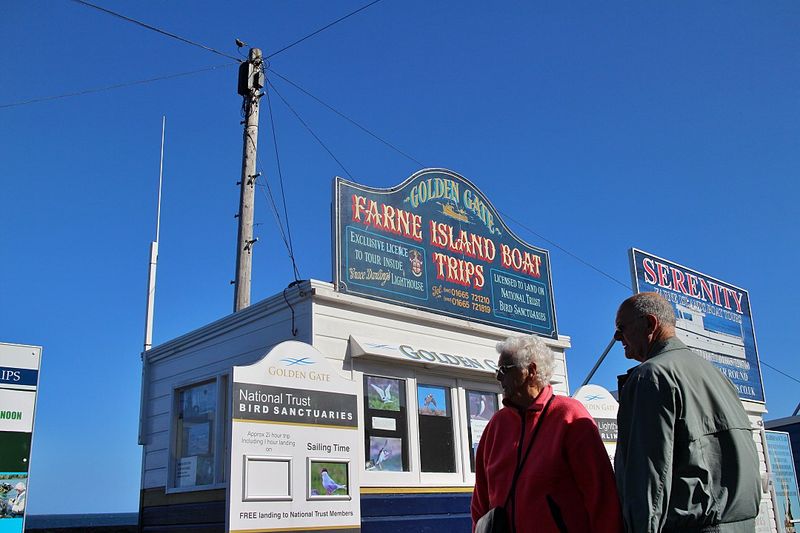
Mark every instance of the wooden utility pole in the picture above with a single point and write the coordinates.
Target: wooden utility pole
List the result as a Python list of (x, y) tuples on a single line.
[(251, 81)]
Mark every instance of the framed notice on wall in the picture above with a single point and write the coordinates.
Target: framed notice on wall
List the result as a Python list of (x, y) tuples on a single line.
[(435, 242)]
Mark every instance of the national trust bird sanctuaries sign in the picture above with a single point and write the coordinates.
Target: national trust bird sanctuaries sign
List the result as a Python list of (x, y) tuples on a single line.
[(435, 242)]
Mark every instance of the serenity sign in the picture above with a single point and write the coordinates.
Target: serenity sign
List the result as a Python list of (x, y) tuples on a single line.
[(435, 242), (712, 317)]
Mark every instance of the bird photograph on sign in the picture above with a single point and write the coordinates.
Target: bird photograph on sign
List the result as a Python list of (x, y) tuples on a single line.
[(328, 479)]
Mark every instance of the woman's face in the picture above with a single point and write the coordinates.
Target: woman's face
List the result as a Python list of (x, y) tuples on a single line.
[(514, 379)]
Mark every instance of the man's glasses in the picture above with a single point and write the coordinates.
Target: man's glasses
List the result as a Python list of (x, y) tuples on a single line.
[(621, 328), (502, 370)]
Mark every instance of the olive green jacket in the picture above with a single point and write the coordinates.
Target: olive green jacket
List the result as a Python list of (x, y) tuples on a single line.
[(685, 459)]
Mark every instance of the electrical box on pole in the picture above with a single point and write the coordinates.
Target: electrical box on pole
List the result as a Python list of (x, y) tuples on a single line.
[(251, 81)]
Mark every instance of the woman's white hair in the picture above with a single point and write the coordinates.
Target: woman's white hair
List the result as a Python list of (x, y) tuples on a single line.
[(527, 349)]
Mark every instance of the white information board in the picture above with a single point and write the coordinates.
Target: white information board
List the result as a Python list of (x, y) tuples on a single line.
[(294, 445)]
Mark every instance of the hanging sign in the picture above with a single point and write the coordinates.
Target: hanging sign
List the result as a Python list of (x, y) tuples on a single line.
[(294, 445), (713, 318), (784, 479), (19, 380), (435, 242)]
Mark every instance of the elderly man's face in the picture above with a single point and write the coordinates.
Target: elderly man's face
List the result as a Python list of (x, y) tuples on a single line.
[(512, 378), (632, 331)]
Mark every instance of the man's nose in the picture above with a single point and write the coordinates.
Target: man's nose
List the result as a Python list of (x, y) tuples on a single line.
[(617, 335)]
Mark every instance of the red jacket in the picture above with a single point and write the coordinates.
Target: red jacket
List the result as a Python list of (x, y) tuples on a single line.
[(566, 484)]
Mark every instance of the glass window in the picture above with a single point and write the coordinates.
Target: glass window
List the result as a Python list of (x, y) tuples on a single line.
[(386, 435), (436, 439), (195, 450), (481, 405)]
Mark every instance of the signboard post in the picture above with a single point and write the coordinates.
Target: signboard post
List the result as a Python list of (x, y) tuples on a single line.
[(19, 380), (436, 243), (713, 318), (784, 480), (294, 445)]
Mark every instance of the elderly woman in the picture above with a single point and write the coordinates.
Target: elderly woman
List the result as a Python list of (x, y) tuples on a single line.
[(541, 456)]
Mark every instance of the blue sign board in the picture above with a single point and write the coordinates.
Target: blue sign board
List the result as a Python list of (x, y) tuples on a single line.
[(435, 242), (713, 318), (784, 479)]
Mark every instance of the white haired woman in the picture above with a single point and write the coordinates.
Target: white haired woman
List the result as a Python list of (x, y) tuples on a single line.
[(540, 457)]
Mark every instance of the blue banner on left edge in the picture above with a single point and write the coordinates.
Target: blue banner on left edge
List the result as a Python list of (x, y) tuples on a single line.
[(18, 376), (435, 242)]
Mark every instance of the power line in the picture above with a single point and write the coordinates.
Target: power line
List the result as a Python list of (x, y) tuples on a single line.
[(283, 193), (157, 30), (779, 371), (362, 8), (174, 36), (271, 202), (351, 121), (387, 143), (303, 122), (588, 264), (117, 86)]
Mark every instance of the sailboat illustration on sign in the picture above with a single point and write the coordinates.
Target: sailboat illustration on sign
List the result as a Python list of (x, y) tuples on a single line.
[(455, 212)]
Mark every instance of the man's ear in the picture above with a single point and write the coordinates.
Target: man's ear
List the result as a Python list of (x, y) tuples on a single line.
[(532, 369), (652, 323)]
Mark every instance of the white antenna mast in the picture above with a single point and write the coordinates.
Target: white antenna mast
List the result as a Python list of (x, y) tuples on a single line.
[(151, 276)]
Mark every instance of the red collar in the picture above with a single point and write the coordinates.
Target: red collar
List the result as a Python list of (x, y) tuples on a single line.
[(538, 403)]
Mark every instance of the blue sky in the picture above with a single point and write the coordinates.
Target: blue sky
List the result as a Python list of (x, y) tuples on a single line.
[(669, 127)]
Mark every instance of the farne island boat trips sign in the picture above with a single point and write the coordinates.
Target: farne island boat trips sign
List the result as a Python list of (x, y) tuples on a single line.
[(435, 242)]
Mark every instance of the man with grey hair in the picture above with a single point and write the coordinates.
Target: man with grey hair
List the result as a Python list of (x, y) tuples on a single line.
[(540, 458), (685, 459)]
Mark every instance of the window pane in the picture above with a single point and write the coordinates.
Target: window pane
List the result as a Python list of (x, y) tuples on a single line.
[(196, 443), (385, 421), (481, 406), (436, 441)]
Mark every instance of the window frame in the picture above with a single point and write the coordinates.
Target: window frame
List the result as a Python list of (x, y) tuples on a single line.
[(441, 478), (475, 386), (220, 438), (380, 478)]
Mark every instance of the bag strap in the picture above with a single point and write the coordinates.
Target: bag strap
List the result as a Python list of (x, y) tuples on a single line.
[(518, 471)]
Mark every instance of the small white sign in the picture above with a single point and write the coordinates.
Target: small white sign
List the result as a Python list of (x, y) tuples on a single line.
[(187, 471), (386, 424)]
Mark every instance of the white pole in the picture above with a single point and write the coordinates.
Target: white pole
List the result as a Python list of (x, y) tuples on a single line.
[(151, 293), (151, 275)]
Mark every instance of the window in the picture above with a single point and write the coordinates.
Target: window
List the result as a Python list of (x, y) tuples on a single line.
[(386, 435), (422, 427), (199, 435), (436, 439), (481, 405)]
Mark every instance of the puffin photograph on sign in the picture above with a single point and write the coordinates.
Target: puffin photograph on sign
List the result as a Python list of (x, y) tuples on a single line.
[(435, 242)]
